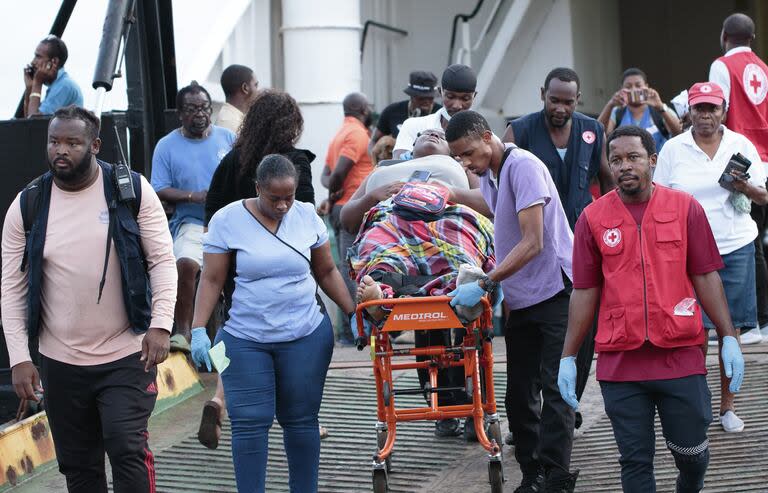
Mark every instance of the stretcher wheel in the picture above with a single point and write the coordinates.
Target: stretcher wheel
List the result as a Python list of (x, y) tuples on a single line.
[(381, 439), (494, 433), (380, 481), (386, 393), (496, 476)]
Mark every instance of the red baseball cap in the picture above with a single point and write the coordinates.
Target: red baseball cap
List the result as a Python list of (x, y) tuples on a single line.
[(705, 92)]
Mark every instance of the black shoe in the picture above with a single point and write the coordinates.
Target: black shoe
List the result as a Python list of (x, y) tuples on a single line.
[(470, 434), (560, 482), (578, 420), (509, 439), (533, 482), (448, 428)]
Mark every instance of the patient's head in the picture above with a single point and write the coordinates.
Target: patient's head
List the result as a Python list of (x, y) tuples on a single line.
[(430, 142)]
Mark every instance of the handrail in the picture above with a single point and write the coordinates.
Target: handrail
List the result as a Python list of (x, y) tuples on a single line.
[(465, 18), (386, 27)]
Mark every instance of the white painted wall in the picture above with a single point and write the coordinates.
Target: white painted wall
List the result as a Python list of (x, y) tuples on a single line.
[(321, 45)]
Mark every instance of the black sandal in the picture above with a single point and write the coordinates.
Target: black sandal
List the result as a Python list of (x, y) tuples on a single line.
[(210, 425)]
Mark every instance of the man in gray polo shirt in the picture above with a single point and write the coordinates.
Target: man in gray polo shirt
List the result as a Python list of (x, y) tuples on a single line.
[(534, 244)]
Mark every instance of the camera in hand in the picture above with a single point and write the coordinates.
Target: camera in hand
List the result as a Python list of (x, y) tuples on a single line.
[(737, 163), (636, 96)]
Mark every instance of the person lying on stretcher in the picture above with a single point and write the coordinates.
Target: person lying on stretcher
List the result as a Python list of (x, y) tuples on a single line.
[(421, 251)]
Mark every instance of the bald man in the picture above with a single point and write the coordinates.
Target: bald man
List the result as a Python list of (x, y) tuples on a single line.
[(744, 79), (346, 166)]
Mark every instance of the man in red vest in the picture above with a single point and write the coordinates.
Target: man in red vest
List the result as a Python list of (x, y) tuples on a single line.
[(744, 79), (645, 253)]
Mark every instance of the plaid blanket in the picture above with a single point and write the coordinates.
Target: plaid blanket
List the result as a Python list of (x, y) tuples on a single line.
[(388, 242)]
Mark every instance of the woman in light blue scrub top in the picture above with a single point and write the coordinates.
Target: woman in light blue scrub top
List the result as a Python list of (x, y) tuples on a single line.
[(278, 338)]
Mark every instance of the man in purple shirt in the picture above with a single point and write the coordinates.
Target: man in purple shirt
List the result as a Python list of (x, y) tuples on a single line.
[(535, 243)]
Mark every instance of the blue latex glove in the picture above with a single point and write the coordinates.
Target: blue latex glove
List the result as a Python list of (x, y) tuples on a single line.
[(201, 344), (468, 294), (566, 381), (733, 362), (360, 342)]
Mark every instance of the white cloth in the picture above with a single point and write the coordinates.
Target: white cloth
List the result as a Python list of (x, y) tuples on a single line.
[(443, 169), (189, 243), (682, 165), (718, 72), (229, 117), (411, 129)]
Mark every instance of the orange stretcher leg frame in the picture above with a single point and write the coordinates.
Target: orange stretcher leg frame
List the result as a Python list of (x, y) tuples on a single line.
[(26, 447), (475, 355)]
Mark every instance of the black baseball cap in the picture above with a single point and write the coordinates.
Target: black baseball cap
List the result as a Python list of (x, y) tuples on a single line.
[(459, 78), (421, 84)]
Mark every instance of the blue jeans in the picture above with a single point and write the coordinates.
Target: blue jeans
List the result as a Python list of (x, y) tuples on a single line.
[(279, 379)]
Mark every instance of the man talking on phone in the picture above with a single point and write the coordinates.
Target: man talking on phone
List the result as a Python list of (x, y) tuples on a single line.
[(47, 68), (636, 103)]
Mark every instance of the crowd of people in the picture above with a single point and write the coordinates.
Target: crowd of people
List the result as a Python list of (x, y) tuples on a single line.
[(630, 235)]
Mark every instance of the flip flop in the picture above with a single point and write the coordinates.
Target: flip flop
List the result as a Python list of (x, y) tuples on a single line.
[(210, 425), (179, 344)]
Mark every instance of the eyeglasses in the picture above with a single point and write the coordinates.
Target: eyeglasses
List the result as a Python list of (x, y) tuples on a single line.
[(191, 109)]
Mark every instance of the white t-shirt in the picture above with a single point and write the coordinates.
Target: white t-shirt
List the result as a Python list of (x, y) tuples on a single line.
[(443, 169), (412, 127), (682, 165)]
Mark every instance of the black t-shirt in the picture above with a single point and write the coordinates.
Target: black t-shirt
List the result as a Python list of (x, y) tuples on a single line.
[(394, 115)]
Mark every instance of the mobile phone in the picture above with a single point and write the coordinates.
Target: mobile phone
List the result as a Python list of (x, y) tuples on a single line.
[(637, 95), (420, 175)]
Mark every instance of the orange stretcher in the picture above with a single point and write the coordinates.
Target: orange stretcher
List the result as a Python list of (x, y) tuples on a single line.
[(474, 354)]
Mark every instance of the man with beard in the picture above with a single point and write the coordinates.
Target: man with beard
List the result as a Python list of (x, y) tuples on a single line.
[(98, 345), (646, 253), (572, 145), (535, 276), (347, 164), (458, 92), (182, 168)]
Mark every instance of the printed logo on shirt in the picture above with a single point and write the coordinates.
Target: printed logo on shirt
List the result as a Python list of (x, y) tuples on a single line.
[(152, 388), (612, 237), (588, 136), (755, 83), (104, 217)]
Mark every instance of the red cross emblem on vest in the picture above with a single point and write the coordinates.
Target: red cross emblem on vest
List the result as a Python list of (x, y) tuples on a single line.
[(755, 83), (612, 237)]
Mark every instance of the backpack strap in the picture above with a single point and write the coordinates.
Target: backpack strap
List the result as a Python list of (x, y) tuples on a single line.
[(658, 120), (619, 115), (29, 202)]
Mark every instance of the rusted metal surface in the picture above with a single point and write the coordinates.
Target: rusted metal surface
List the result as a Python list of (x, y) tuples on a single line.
[(24, 447), (737, 459), (349, 413)]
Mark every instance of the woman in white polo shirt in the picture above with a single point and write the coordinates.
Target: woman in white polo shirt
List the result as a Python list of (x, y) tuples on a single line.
[(693, 162)]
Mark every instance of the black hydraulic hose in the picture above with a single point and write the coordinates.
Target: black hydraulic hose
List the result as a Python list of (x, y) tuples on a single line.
[(456, 19)]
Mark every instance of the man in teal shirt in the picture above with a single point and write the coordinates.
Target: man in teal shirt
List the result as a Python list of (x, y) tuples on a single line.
[(47, 68)]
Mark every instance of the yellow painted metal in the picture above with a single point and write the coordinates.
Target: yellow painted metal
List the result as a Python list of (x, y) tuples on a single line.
[(27, 445)]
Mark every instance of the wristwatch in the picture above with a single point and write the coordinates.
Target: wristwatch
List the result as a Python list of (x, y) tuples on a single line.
[(488, 285)]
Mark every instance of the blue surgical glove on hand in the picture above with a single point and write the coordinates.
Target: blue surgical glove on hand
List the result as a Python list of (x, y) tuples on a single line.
[(353, 326), (201, 344), (566, 381), (733, 362), (468, 294)]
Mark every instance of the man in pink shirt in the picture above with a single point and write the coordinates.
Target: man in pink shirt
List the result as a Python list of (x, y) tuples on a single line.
[(100, 336)]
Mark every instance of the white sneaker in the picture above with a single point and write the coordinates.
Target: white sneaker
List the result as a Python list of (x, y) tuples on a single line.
[(731, 423), (751, 337)]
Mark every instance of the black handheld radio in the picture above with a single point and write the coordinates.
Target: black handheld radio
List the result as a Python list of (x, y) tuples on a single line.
[(123, 179)]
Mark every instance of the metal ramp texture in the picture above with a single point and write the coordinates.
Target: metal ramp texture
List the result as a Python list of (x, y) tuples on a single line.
[(736, 459), (348, 411)]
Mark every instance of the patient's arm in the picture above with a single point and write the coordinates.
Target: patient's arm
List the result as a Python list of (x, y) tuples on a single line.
[(353, 211), (471, 198)]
